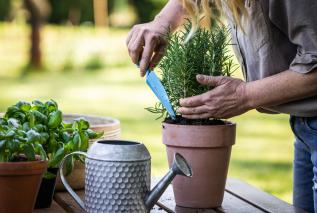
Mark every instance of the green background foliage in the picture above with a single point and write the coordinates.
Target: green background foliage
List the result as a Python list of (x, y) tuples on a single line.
[(5, 6), (147, 9), (60, 10)]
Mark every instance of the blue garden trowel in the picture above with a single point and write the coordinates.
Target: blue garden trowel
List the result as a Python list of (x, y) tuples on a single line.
[(158, 89)]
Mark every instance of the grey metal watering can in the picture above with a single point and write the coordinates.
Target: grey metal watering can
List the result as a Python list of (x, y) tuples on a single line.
[(118, 175)]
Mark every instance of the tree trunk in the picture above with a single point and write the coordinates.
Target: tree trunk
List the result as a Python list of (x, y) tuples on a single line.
[(101, 12), (35, 21)]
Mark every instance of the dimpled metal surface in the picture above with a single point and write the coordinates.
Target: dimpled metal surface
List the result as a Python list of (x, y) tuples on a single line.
[(116, 186)]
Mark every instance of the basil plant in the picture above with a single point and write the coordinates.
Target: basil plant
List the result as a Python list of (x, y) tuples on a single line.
[(35, 129)]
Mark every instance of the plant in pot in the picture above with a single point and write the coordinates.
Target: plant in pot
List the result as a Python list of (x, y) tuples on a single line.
[(205, 143), (111, 129), (22, 164), (44, 126)]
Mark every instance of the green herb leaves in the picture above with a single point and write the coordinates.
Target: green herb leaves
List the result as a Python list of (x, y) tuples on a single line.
[(207, 53), (30, 129)]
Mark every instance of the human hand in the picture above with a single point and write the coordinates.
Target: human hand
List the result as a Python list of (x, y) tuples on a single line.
[(146, 44), (227, 99)]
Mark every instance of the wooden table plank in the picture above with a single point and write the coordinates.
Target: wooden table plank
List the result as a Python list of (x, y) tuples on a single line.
[(239, 197), (68, 203), (258, 198), (55, 208), (230, 204)]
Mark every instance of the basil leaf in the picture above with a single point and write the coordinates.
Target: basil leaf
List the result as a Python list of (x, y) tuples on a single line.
[(26, 126), (39, 150), (2, 144), (55, 119), (40, 116), (29, 152), (33, 136), (94, 135), (11, 111), (77, 142), (83, 124), (51, 105), (49, 175), (69, 165), (10, 134), (84, 141), (24, 106), (66, 137), (56, 159), (67, 125)]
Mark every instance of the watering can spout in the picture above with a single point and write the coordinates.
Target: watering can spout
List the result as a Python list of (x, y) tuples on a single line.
[(179, 167)]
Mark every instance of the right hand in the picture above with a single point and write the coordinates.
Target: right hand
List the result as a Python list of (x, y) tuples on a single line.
[(146, 44)]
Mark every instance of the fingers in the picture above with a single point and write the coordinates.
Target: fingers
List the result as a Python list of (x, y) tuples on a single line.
[(135, 47), (130, 34), (193, 110), (150, 44), (158, 55), (197, 116), (192, 101), (146, 46), (213, 81)]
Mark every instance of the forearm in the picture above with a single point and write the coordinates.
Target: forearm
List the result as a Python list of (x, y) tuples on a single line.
[(172, 14), (281, 88)]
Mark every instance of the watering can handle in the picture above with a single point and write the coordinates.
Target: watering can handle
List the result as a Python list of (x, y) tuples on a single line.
[(64, 181)]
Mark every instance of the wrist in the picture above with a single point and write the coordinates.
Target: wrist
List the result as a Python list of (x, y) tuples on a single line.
[(162, 22), (249, 97), (171, 16)]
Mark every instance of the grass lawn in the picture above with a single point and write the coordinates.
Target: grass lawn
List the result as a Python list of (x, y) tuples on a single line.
[(263, 152)]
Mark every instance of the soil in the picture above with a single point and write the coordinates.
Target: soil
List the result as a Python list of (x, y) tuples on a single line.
[(19, 158), (23, 158), (184, 121)]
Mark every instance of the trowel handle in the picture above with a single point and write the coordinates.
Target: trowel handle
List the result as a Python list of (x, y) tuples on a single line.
[(64, 181)]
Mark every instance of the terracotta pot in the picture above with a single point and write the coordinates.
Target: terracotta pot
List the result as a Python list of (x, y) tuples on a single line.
[(19, 185), (111, 129), (207, 149), (110, 126)]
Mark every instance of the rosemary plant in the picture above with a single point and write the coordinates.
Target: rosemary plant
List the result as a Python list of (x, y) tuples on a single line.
[(207, 53)]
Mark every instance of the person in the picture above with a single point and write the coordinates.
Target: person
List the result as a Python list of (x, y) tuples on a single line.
[(276, 45)]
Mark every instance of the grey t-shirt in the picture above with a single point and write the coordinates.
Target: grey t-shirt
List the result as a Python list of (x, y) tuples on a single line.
[(278, 35)]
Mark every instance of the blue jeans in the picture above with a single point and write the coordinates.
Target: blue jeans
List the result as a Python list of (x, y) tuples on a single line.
[(305, 163)]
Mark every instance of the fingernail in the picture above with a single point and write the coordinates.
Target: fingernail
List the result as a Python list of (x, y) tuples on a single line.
[(200, 77)]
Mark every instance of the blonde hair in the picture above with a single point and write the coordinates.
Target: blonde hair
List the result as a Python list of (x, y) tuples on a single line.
[(202, 12)]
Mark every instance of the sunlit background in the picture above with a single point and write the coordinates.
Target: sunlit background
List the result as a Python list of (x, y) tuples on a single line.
[(85, 67)]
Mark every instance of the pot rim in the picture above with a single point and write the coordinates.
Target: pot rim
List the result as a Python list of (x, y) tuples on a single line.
[(227, 123), (23, 162), (114, 121), (199, 136), (23, 168)]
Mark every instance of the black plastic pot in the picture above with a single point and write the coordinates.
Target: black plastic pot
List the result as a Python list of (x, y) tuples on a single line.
[(45, 196)]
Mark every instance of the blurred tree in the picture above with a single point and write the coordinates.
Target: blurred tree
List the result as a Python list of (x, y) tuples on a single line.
[(5, 7), (35, 20), (75, 11), (101, 12), (147, 9)]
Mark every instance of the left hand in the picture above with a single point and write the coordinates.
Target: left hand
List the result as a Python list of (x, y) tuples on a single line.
[(227, 99)]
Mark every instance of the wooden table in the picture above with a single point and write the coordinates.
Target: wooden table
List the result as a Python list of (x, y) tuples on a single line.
[(240, 197)]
